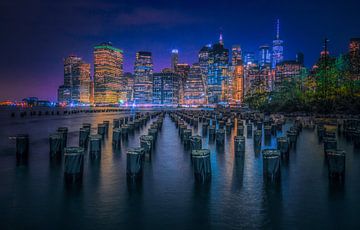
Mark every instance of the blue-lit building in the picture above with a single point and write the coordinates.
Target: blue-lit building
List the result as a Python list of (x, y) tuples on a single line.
[(278, 48), (165, 88), (143, 71), (264, 56), (249, 58), (217, 73)]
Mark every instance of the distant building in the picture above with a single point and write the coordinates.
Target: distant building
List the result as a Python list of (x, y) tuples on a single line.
[(238, 84), (182, 70), (194, 89), (300, 58), (218, 64), (127, 89), (174, 58), (108, 71), (287, 70), (278, 47), (236, 55), (354, 58), (77, 80), (143, 71), (249, 58), (264, 56), (203, 58), (165, 89)]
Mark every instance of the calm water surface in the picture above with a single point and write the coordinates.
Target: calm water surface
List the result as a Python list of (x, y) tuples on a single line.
[(35, 196)]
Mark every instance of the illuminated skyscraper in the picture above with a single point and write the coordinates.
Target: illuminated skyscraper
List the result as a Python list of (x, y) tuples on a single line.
[(204, 64), (194, 89), (264, 56), (236, 55), (238, 84), (287, 70), (143, 70), (218, 64), (182, 70), (174, 58), (354, 58), (249, 58), (108, 70), (278, 48), (165, 88), (76, 88)]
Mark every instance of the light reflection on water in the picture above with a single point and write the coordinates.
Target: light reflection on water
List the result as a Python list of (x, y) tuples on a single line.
[(167, 197)]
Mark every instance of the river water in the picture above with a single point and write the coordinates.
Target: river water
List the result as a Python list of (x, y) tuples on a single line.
[(35, 195)]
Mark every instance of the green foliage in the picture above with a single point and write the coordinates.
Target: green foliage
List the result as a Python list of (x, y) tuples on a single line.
[(329, 88)]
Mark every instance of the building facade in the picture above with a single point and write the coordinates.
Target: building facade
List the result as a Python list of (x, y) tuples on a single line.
[(278, 47), (194, 89), (77, 80), (165, 89), (108, 71), (143, 73)]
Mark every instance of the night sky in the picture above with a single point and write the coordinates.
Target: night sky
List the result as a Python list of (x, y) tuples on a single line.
[(36, 35)]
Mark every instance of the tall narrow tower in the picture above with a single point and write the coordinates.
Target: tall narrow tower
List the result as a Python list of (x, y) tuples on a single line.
[(278, 48)]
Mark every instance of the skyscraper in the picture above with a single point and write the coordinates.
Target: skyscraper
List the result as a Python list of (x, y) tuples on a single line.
[(76, 88), (236, 55), (354, 57), (249, 58), (300, 58), (278, 48), (165, 88), (108, 70), (238, 83), (143, 70), (182, 70), (194, 89), (174, 58), (286, 71), (264, 56), (218, 64), (204, 64)]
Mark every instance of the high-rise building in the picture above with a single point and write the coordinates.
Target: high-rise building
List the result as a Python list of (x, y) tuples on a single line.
[(165, 88), (194, 89), (236, 55), (264, 56), (204, 64), (287, 70), (300, 58), (354, 57), (108, 70), (218, 64), (76, 88), (143, 70), (174, 58), (278, 47), (238, 84), (249, 58), (127, 89), (182, 70)]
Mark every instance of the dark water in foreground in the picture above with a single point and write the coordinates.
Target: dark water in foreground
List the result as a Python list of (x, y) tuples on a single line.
[(35, 196)]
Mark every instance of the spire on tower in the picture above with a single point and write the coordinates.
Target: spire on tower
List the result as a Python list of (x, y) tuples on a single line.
[(221, 39), (278, 29)]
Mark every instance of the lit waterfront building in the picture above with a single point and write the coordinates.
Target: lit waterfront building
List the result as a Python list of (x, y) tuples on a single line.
[(182, 70), (218, 67), (203, 58), (238, 84), (287, 70), (278, 47), (236, 55), (256, 79), (108, 70), (77, 80), (264, 56), (354, 58), (174, 58), (143, 71), (165, 89), (194, 89), (249, 58), (127, 89)]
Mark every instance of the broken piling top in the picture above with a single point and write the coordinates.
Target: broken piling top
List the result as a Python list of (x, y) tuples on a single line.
[(271, 153)]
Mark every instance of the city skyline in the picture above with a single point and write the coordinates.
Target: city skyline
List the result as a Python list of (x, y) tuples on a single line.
[(42, 43)]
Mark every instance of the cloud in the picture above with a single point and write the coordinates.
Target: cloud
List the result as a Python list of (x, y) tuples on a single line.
[(155, 17)]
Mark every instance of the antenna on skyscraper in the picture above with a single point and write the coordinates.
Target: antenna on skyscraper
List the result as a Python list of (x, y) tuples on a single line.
[(278, 29), (221, 37)]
